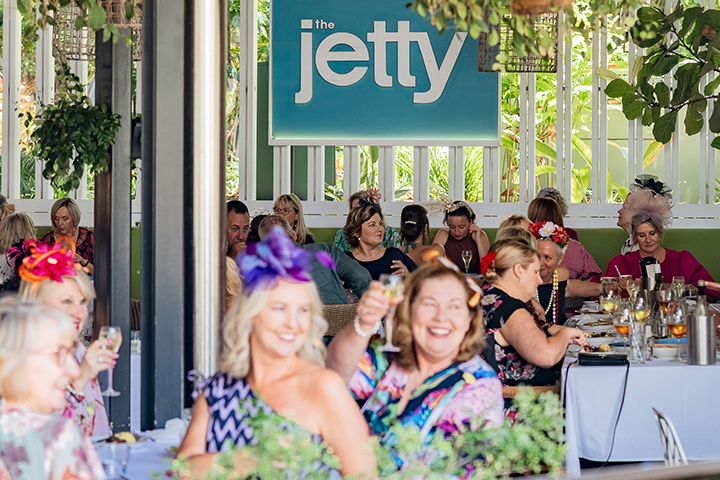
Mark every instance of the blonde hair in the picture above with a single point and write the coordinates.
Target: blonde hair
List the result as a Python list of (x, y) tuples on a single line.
[(233, 284), (474, 340), (235, 359), (518, 233), (39, 291), (20, 323), (72, 207), (290, 200), (514, 220), (508, 253), (16, 228)]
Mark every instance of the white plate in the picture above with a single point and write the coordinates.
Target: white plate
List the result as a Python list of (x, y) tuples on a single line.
[(595, 328)]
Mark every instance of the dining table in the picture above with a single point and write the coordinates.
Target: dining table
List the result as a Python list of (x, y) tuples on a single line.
[(148, 458), (596, 398)]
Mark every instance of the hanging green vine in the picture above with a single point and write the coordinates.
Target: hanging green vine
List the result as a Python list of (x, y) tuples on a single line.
[(72, 135)]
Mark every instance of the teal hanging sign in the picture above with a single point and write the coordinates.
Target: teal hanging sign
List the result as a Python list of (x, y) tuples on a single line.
[(375, 73)]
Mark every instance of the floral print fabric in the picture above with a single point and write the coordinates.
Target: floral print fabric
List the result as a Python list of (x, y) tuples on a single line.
[(84, 247), (88, 412), (462, 391), (497, 307), (391, 239), (35, 446)]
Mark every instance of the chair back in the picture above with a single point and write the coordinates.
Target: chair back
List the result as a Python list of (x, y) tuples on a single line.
[(339, 316), (672, 448)]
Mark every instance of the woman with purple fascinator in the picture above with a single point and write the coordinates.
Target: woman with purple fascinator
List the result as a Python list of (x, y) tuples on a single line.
[(652, 214), (273, 360)]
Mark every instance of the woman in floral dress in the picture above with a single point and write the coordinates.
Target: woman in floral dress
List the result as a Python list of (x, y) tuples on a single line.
[(51, 276), (436, 380), (35, 367), (524, 351)]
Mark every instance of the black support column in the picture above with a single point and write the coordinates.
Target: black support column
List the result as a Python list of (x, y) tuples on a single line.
[(167, 212), (113, 77)]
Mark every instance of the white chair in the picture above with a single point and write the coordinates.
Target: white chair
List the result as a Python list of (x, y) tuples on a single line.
[(672, 448)]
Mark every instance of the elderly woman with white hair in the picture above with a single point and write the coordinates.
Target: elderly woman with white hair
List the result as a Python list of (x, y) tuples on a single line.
[(51, 276), (653, 214), (272, 362), (36, 365)]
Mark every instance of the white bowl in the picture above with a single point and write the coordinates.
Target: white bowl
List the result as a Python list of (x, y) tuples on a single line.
[(667, 351)]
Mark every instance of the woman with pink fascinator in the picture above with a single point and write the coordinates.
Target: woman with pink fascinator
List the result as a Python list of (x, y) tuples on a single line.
[(652, 215)]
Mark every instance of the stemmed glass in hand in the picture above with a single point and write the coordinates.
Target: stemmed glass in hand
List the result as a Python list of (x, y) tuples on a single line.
[(466, 257), (392, 289), (114, 334)]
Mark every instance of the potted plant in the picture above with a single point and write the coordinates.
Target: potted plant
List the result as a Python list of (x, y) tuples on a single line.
[(71, 134)]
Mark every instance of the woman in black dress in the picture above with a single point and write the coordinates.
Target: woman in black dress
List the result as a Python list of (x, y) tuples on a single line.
[(524, 351), (364, 231)]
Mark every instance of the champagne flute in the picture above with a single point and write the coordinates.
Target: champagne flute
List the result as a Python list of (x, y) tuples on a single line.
[(678, 284), (677, 325), (466, 257), (392, 289), (633, 287), (114, 334)]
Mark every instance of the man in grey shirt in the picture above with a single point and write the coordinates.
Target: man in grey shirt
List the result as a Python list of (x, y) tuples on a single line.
[(329, 283)]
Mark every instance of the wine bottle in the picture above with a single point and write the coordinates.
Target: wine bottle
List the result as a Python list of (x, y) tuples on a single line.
[(658, 278)]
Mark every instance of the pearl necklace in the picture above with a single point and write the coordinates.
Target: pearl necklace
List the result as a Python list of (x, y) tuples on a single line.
[(554, 302)]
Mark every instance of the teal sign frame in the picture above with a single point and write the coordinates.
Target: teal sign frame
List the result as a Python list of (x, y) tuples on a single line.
[(348, 72)]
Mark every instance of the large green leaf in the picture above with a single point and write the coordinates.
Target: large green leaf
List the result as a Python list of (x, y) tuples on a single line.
[(664, 127), (618, 87), (714, 122), (96, 17), (634, 109), (693, 120), (662, 93)]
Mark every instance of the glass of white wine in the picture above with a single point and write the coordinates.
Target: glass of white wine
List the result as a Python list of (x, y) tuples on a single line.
[(392, 289), (466, 257), (609, 302), (633, 287), (641, 306), (114, 334)]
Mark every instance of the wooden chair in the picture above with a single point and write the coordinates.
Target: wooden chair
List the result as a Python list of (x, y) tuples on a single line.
[(510, 392), (135, 314), (339, 316)]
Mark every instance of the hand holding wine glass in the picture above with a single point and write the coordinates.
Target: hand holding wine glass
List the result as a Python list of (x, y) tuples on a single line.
[(114, 334), (393, 290)]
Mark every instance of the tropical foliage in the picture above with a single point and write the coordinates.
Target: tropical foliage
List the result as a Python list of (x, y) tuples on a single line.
[(531, 445), (683, 45)]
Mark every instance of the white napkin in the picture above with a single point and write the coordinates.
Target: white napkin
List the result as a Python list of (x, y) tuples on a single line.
[(173, 432)]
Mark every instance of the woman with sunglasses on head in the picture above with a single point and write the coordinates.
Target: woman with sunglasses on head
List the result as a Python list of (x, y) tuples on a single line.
[(36, 366), (289, 206), (49, 275), (65, 217), (365, 198)]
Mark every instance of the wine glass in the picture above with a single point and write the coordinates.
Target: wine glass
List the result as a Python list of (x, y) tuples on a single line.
[(609, 302), (611, 286), (678, 284), (621, 322), (114, 334), (392, 289), (641, 306), (633, 287), (466, 257), (677, 312)]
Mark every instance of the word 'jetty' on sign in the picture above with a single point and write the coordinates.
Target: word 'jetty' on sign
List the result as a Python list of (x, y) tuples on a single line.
[(358, 52)]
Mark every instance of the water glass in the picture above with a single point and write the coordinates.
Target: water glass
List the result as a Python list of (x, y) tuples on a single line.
[(114, 458), (641, 343), (135, 342)]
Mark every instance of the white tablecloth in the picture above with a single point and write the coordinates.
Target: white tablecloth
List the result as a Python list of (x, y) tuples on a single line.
[(688, 395), (149, 457)]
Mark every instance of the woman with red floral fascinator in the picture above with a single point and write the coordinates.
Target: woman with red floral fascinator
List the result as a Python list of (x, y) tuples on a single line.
[(552, 241), (272, 361), (49, 274), (524, 352)]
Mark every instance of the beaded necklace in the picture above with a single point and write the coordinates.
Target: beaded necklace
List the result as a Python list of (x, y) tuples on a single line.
[(554, 302)]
